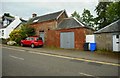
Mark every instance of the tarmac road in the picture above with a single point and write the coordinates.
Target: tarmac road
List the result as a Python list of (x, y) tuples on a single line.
[(17, 62)]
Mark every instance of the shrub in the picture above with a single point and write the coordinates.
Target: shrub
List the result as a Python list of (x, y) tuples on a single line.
[(16, 36), (19, 34)]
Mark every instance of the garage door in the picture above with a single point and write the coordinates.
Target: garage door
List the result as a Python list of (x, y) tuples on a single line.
[(67, 40), (42, 35)]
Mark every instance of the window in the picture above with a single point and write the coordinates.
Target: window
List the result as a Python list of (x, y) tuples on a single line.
[(117, 36), (31, 38), (36, 20), (2, 32), (39, 38), (27, 38)]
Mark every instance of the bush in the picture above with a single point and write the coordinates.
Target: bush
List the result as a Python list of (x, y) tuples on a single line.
[(16, 36), (19, 34)]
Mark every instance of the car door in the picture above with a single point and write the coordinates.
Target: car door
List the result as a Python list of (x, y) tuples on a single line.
[(26, 42), (39, 40), (30, 40)]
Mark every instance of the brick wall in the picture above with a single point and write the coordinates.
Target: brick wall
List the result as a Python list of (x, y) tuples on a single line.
[(47, 25), (53, 37), (63, 15), (44, 26)]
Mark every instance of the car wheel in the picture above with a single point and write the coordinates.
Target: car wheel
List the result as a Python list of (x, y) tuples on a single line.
[(22, 44), (32, 45)]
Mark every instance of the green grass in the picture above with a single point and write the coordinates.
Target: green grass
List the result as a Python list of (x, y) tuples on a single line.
[(108, 53)]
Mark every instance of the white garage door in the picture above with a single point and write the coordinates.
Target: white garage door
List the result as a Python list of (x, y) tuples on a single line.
[(67, 40)]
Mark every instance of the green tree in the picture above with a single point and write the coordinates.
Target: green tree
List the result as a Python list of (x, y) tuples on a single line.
[(113, 12), (101, 11), (16, 35), (27, 30), (87, 18), (107, 12), (76, 15)]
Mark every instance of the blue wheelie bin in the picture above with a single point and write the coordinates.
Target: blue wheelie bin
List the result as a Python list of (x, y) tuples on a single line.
[(92, 46)]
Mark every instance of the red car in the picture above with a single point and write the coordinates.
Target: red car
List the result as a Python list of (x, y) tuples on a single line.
[(32, 41)]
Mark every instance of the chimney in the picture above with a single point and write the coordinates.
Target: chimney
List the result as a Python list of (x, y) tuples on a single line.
[(34, 15)]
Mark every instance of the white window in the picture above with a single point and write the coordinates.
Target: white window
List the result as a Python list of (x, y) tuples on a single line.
[(2, 32)]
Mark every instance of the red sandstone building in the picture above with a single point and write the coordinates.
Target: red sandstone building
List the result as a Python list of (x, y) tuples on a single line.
[(58, 30)]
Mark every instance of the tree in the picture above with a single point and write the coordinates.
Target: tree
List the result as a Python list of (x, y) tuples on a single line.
[(29, 31), (107, 12), (16, 35), (22, 33), (113, 12), (76, 15), (101, 10), (87, 18)]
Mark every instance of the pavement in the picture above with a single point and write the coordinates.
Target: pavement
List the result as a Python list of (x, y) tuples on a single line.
[(87, 55)]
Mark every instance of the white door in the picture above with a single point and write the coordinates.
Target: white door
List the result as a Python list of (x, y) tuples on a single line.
[(116, 43), (0, 63), (42, 36)]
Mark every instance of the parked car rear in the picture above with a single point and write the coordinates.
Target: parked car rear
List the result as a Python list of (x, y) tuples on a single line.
[(32, 41)]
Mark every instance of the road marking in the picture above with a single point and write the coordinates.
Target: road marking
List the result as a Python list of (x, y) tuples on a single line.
[(76, 58), (67, 57), (16, 57), (86, 74), (14, 49)]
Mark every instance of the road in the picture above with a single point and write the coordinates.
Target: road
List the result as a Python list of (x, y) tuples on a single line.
[(17, 62)]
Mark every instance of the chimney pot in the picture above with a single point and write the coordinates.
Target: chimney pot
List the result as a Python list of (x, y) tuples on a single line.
[(34, 15)]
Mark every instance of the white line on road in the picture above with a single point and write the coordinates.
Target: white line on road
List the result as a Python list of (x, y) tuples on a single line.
[(16, 57), (66, 57), (86, 74), (14, 49)]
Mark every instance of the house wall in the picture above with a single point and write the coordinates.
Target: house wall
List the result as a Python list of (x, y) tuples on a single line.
[(63, 15), (47, 25), (10, 28), (53, 37), (44, 27), (104, 41)]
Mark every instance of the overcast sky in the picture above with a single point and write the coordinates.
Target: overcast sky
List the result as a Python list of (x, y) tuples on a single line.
[(25, 8)]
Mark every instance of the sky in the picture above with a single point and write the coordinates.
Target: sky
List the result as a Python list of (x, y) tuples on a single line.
[(25, 8)]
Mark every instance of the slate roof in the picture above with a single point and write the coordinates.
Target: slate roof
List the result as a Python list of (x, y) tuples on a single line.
[(113, 27), (11, 18), (70, 23), (22, 22), (47, 17)]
